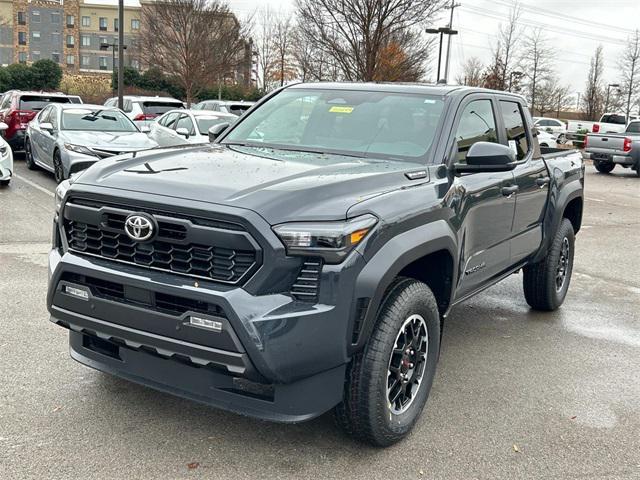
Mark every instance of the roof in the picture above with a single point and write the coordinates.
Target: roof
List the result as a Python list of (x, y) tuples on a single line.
[(150, 98), (208, 113), (84, 106), (228, 102), (398, 87)]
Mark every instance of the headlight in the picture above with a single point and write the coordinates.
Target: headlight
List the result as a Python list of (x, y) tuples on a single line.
[(61, 191), (4, 149), (329, 240), (79, 149)]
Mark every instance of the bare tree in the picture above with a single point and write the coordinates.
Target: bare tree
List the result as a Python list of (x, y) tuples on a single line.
[(537, 61), (265, 44), (471, 73), (174, 36), (552, 96), (282, 49), (357, 33), (593, 97), (629, 66), (509, 43)]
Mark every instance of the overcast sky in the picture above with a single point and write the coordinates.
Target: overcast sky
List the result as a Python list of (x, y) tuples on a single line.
[(574, 28)]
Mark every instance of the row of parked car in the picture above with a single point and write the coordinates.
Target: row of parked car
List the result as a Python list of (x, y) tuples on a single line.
[(61, 134)]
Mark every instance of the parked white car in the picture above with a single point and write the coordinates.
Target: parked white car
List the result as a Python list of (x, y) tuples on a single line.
[(546, 139), (551, 125), (144, 110), (183, 127), (6, 159), (610, 122)]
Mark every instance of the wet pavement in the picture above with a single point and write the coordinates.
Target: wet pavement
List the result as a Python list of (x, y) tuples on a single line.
[(518, 394)]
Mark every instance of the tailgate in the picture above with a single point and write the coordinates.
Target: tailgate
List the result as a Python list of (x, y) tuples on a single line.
[(605, 143)]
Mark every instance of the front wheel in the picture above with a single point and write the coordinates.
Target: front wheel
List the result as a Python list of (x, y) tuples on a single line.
[(604, 167), (387, 384), (28, 156), (546, 283), (58, 170)]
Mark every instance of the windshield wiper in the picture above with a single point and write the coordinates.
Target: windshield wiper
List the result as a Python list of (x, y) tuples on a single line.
[(292, 149)]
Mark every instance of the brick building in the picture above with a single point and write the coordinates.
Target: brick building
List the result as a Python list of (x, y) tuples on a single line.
[(76, 34)]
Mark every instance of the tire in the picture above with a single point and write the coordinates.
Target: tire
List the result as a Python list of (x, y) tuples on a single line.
[(604, 167), (562, 139), (366, 412), (5, 183), (28, 156), (546, 283), (58, 170)]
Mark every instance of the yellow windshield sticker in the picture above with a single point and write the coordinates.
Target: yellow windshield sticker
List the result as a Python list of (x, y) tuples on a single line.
[(341, 109)]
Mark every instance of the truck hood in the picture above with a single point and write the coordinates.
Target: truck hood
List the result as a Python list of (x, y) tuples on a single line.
[(279, 185)]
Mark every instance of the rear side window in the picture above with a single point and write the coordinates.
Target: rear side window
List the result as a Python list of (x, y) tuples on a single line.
[(38, 102), (477, 124), (6, 101), (515, 127), (158, 108)]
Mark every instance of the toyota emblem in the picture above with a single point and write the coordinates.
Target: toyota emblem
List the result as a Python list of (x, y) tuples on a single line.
[(139, 227)]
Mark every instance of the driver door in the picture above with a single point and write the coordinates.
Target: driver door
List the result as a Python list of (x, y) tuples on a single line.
[(484, 205)]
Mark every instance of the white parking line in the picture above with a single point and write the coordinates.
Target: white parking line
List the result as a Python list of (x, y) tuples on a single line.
[(34, 185)]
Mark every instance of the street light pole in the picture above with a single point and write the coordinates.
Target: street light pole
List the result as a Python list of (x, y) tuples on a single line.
[(606, 103), (513, 74), (442, 31), (120, 53), (446, 63)]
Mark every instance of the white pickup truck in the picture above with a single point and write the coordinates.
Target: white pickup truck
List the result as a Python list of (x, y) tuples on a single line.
[(608, 150), (609, 123)]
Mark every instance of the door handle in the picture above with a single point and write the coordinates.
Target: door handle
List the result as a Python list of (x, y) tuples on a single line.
[(508, 191), (541, 182)]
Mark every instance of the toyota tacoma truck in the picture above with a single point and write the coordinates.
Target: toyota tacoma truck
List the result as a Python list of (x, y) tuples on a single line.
[(307, 259), (607, 150)]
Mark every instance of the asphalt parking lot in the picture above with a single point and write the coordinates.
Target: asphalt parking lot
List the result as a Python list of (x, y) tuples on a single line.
[(518, 394)]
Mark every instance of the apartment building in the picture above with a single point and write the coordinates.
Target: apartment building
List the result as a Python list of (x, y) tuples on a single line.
[(78, 35)]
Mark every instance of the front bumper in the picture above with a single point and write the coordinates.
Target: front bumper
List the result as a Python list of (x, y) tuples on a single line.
[(279, 359)]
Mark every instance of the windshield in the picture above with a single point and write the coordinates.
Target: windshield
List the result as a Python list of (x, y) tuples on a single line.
[(615, 119), (158, 108), (38, 102), (633, 127), (361, 123), (205, 123), (96, 120)]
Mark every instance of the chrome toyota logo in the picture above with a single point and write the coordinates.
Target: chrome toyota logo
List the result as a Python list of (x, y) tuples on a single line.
[(139, 227)]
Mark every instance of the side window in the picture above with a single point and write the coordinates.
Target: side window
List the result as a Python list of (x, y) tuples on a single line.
[(127, 106), (170, 120), (6, 101), (515, 125), (43, 116), (53, 117), (185, 122), (477, 124)]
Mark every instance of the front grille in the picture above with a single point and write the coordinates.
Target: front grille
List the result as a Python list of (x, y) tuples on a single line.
[(307, 284), (160, 302), (181, 245)]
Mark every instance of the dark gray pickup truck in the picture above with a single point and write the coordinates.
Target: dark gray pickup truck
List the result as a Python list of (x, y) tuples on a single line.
[(308, 259)]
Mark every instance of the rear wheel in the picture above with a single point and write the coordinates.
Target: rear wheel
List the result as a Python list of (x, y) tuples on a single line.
[(604, 167), (546, 283), (28, 156), (387, 384), (58, 170)]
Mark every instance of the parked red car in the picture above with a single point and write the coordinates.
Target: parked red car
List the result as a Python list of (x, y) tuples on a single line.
[(19, 107)]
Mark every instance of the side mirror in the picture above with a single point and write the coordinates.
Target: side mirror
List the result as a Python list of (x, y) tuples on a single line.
[(182, 131), (487, 157), (216, 131), (46, 126), (145, 129), (3, 126)]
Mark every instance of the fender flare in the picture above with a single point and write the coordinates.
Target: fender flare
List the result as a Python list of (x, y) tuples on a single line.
[(385, 265), (560, 197)]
